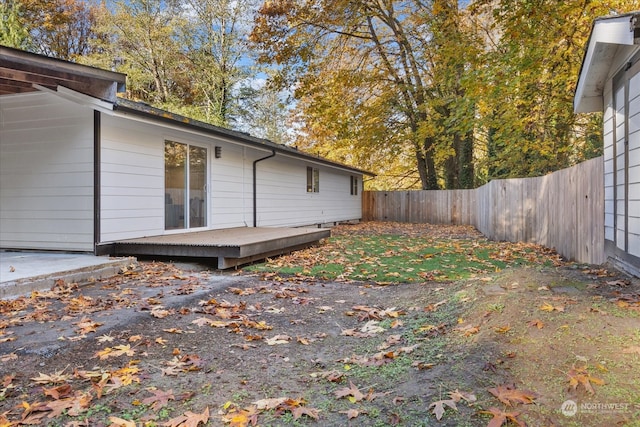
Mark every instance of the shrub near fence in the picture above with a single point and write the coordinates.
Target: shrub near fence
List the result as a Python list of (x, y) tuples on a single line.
[(563, 210)]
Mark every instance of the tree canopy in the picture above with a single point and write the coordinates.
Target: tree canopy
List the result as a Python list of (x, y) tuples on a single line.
[(427, 93), (471, 93)]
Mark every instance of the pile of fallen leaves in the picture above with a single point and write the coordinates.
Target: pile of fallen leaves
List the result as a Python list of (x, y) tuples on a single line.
[(499, 348), (387, 252)]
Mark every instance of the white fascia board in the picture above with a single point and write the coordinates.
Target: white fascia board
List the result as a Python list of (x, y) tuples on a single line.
[(606, 35), (78, 98)]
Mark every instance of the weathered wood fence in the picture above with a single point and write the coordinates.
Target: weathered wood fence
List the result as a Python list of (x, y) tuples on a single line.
[(562, 210)]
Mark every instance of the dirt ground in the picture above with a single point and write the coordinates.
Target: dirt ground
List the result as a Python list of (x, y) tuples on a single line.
[(176, 344)]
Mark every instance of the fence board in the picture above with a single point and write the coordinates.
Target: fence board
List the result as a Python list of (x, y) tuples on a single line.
[(562, 210)]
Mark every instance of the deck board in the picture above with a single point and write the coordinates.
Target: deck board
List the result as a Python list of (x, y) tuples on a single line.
[(232, 246)]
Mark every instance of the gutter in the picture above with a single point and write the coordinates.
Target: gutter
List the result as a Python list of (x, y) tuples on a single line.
[(255, 186), (97, 165)]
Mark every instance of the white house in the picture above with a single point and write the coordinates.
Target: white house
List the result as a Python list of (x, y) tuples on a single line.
[(609, 81), (81, 167)]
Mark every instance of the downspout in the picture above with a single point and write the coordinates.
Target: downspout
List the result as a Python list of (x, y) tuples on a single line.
[(96, 179), (255, 186)]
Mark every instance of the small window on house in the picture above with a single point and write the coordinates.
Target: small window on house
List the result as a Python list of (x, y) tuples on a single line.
[(354, 185), (313, 180)]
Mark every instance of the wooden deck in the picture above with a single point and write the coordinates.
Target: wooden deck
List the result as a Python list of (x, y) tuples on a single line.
[(232, 246)]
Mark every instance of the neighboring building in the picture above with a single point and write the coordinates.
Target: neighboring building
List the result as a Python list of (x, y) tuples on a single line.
[(80, 167), (610, 82)]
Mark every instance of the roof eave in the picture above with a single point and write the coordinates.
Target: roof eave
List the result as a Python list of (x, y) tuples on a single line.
[(29, 68), (157, 114), (607, 35)]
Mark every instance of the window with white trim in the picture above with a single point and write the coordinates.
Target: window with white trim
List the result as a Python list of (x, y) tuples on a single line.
[(354, 185)]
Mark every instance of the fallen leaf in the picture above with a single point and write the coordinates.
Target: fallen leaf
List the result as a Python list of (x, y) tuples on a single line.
[(86, 326), (56, 378), (422, 365), (303, 341), (536, 323), (371, 327), (351, 413), (242, 292), (58, 392), (549, 308), (396, 324), (8, 357), (268, 404), (202, 321), (160, 312), (119, 422), (352, 393), (303, 410), (618, 282), (500, 417), (74, 405), (457, 396), (105, 338), (333, 376), (508, 394), (189, 419), (159, 399), (278, 339), (468, 330), (580, 376), (439, 407), (119, 350)]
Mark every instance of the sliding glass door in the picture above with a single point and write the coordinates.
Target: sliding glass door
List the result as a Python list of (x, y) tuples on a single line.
[(185, 182)]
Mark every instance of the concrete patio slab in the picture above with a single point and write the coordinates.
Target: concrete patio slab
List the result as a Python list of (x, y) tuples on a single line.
[(24, 272)]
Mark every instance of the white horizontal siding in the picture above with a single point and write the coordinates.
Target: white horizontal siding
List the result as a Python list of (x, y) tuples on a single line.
[(283, 198), (132, 180), (231, 187), (46, 173), (132, 199)]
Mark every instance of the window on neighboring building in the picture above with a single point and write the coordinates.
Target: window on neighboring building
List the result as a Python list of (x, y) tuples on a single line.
[(313, 180), (354, 185)]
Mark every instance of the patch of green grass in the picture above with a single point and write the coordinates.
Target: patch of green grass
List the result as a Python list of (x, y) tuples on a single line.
[(496, 307), (401, 259), (97, 409), (377, 376)]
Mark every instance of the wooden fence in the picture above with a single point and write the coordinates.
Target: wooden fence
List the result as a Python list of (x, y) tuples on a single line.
[(562, 210)]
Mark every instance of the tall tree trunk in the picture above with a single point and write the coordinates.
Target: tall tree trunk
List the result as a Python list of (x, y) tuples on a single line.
[(431, 180), (466, 174), (421, 163), (452, 164)]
